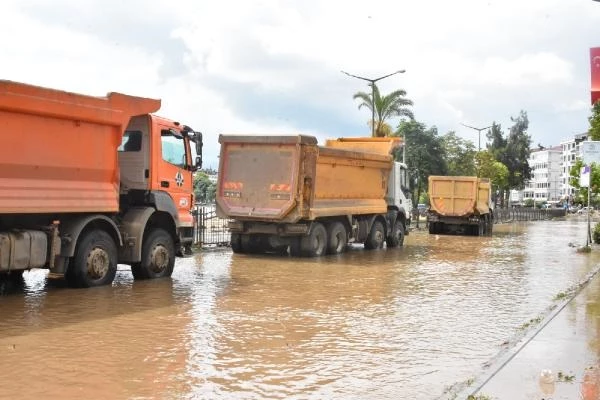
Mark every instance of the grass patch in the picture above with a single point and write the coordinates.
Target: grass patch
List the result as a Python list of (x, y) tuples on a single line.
[(560, 296), (565, 377), (530, 323), (479, 397), (584, 249)]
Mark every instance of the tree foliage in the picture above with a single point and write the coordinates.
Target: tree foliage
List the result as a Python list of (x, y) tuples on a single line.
[(204, 189), (582, 192), (460, 155), (594, 119), (513, 151), (425, 154), (388, 106), (489, 167)]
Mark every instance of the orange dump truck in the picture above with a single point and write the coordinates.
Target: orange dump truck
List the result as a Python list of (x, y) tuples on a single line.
[(460, 204), (89, 182), (286, 192)]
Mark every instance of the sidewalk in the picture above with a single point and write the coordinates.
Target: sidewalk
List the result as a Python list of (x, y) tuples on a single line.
[(561, 362)]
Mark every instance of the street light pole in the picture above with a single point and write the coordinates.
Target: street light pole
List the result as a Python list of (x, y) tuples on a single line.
[(479, 131), (372, 84)]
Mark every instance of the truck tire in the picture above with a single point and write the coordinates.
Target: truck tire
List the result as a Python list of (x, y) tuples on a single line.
[(396, 236), (158, 256), (236, 243), (295, 249), (11, 282), (315, 243), (433, 228), (95, 260), (337, 238), (252, 244), (490, 225), (482, 226), (376, 236)]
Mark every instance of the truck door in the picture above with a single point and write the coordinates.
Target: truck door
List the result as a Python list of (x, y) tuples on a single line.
[(134, 155), (174, 175)]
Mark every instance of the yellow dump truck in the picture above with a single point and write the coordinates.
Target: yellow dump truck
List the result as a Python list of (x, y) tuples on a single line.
[(287, 192), (460, 204)]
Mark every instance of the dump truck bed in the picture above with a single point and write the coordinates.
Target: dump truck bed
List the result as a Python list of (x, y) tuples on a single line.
[(59, 149), (459, 196), (289, 178)]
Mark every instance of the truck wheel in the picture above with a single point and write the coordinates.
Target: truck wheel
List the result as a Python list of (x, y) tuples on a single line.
[(490, 225), (337, 238), (11, 282), (315, 243), (252, 244), (376, 236), (158, 256), (481, 228), (433, 228), (236, 242), (95, 260), (396, 237), (295, 248)]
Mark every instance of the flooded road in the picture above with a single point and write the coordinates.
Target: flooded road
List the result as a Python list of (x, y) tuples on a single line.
[(398, 323)]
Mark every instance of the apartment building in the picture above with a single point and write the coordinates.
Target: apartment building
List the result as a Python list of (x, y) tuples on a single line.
[(571, 152), (546, 175)]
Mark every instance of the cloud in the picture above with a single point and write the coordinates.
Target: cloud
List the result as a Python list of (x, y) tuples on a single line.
[(273, 66)]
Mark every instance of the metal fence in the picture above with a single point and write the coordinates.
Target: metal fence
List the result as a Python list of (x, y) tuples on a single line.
[(506, 215), (209, 230)]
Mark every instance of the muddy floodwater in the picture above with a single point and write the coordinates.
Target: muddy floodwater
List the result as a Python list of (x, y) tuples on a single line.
[(401, 323)]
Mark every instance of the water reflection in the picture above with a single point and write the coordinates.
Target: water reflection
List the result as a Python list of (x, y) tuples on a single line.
[(385, 324)]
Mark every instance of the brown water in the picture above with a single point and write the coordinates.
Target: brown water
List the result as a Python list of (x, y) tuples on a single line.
[(399, 323)]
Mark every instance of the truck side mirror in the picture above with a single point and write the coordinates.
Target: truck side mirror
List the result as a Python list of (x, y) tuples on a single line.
[(198, 141)]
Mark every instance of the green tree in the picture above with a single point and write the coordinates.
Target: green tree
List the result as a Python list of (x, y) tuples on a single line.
[(518, 150), (425, 155), (460, 155), (489, 167), (388, 106), (204, 189), (512, 151), (582, 192), (594, 119)]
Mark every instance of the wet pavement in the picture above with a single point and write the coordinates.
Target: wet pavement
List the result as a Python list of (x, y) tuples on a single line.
[(419, 322), (562, 361)]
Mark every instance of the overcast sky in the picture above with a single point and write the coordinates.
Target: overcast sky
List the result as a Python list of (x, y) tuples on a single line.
[(273, 66)]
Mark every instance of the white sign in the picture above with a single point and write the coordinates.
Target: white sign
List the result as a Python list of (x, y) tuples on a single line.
[(584, 177), (590, 151)]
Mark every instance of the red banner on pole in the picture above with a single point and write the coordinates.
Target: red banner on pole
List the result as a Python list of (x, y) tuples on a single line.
[(595, 69)]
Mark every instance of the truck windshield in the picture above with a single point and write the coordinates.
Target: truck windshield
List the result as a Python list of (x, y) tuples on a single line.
[(173, 148)]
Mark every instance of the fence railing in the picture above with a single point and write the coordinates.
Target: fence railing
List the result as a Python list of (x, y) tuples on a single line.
[(505, 215), (209, 229)]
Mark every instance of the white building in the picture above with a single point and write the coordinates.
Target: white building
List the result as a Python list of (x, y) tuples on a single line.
[(571, 152), (546, 175)]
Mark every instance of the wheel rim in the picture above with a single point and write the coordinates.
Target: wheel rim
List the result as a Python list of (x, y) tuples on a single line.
[(159, 258), (319, 241), (318, 244), (339, 244), (379, 238), (97, 263)]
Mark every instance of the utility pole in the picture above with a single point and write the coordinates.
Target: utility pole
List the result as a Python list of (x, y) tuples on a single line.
[(372, 84), (479, 132)]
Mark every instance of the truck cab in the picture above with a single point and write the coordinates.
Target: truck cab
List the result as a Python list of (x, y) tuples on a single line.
[(157, 158), (398, 194)]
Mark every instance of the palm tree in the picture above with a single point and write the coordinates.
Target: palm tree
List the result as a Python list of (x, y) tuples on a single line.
[(386, 107)]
